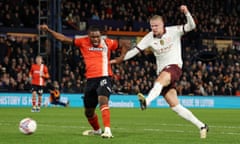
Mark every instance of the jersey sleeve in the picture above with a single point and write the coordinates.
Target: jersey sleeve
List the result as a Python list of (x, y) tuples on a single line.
[(80, 41), (77, 42), (145, 41), (190, 25), (178, 29)]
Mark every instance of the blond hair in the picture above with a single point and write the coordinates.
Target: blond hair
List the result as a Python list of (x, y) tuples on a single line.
[(156, 17)]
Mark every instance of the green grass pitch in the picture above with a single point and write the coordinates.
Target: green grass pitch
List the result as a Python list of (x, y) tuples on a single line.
[(58, 125)]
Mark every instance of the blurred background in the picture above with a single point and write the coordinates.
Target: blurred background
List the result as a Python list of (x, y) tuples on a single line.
[(210, 52)]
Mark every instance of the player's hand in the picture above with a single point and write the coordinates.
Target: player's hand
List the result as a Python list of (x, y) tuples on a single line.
[(116, 60), (184, 9), (43, 27)]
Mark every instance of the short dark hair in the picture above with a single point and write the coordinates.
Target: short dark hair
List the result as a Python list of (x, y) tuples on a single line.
[(94, 28)]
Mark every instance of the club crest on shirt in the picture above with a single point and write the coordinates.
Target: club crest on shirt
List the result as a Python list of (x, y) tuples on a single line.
[(161, 41)]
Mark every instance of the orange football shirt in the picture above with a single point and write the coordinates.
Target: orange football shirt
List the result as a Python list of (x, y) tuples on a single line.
[(38, 73), (96, 58)]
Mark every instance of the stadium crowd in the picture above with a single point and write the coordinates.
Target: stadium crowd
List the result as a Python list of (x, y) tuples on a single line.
[(213, 17), (206, 70)]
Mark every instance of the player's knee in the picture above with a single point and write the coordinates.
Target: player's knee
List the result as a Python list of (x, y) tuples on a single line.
[(103, 100), (89, 113)]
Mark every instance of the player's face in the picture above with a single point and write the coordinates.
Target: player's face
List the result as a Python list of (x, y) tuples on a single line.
[(39, 60), (157, 26), (95, 38)]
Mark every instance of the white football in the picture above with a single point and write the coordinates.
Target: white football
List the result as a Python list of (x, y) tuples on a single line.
[(27, 126)]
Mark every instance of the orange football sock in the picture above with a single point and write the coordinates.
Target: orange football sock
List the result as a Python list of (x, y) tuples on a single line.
[(105, 115), (94, 122)]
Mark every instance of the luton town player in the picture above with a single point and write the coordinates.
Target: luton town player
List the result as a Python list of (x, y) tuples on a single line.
[(38, 75), (96, 52)]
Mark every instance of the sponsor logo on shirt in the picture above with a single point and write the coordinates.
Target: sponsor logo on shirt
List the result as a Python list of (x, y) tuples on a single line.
[(165, 49), (95, 49)]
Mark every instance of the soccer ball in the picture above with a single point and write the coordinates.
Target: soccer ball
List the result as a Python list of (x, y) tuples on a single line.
[(27, 126)]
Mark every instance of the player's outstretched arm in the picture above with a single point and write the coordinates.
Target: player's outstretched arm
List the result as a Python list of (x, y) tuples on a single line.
[(190, 25), (55, 34), (125, 46), (131, 53)]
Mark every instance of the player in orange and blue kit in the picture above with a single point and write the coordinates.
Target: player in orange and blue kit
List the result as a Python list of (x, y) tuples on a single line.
[(96, 52), (38, 75)]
